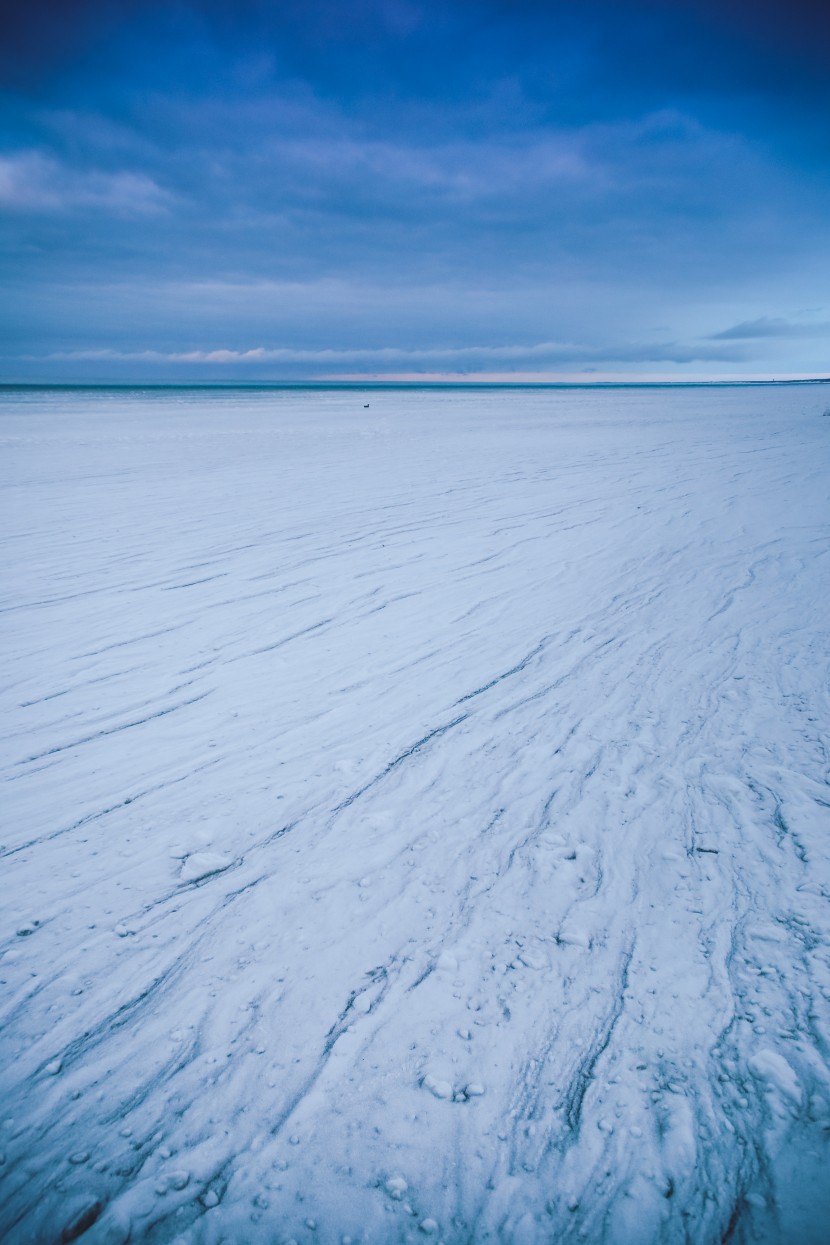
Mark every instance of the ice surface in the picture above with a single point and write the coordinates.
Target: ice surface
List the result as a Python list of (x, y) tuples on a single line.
[(415, 827)]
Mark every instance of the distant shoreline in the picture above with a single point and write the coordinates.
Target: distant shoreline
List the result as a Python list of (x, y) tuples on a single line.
[(346, 385)]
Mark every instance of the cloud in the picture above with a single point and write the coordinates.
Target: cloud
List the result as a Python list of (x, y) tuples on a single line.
[(469, 356), (303, 185), (769, 326), (32, 181)]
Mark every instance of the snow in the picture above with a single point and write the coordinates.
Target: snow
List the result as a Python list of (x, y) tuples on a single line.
[(779, 1078), (418, 825), (202, 864)]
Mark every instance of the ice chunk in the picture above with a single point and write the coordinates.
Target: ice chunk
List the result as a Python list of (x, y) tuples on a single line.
[(439, 1088)]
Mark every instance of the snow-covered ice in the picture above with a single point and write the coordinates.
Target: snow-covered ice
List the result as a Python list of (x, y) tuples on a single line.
[(416, 820)]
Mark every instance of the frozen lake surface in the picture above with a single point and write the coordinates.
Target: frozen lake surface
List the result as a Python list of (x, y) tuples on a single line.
[(416, 820)]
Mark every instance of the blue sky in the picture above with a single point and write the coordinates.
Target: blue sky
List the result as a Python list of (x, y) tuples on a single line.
[(258, 190)]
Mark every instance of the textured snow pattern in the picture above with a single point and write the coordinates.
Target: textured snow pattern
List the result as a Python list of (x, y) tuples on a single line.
[(415, 819)]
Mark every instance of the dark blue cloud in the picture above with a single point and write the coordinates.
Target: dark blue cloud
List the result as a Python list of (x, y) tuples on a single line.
[(771, 326), (397, 175)]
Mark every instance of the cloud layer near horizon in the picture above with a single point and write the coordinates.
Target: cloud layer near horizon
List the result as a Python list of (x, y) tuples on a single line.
[(295, 189)]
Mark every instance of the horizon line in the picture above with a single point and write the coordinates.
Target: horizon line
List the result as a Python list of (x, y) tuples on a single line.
[(433, 380)]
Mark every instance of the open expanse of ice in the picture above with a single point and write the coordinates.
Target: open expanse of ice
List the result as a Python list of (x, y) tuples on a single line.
[(416, 820)]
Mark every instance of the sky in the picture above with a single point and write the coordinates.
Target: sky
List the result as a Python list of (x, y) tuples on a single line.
[(253, 190)]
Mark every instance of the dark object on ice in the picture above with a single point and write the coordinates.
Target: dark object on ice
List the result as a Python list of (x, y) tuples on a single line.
[(826, 413), (84, 1219), (366, 407)]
